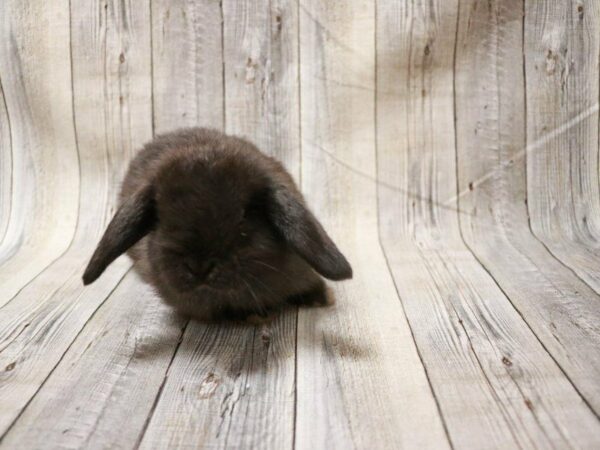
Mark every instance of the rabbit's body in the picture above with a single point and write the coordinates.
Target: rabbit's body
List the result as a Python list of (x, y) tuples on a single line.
[(218, 228)]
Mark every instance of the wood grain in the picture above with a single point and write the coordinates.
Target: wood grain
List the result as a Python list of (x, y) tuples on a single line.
[(490, 106), (187, 63), (95, 397), (479, 353), (361, 352), (41, 323), (562, 51), (449, 147), (37, 97)]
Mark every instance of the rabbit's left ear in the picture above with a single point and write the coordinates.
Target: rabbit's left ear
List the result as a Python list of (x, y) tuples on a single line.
[(132, 221), (303, 232)]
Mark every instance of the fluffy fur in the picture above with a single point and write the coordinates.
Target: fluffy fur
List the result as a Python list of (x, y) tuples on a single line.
[(218, 228)]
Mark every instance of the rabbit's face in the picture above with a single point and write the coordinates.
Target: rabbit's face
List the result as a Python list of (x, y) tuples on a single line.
[(217, 214), (213, 230)]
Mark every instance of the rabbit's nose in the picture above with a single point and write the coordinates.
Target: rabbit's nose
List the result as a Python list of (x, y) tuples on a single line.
[(201, 270)]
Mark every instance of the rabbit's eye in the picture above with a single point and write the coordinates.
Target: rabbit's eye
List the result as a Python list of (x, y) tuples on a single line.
[(244, 236), (210, 267), (246, 213), (188, 266)]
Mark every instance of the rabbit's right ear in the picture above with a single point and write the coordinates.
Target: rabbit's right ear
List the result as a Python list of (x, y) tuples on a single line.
[(133, 220), (303, 232)]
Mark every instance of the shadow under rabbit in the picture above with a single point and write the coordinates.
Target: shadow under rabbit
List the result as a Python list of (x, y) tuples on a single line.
[(230, 348)]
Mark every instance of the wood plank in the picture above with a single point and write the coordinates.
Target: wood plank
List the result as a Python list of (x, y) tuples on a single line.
[(38, 102), (38, 326), (233, 386), (360, 382), (95, 398), (113, 117), (227, 388), (187, 64), (495, 384), (562, 51), (509, 361), (261, 76), (560, 309)]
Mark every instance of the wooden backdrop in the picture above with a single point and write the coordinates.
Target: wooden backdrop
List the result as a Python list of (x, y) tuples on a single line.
[(451, 148)]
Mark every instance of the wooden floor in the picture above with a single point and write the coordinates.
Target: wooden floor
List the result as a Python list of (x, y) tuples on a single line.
[(450, 147)]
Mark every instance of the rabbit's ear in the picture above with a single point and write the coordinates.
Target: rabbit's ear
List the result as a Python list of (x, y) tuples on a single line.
[(305, 235), (132, 221)]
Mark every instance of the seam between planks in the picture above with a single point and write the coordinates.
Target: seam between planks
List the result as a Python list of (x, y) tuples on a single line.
[(152, 116), (160, 389), (77, 149), (530, 328), (510, 375), (224, 99), (493, 391), (300, 167), (412, 334), (525, 137), (295, 418), (382, 247), (158, 396), (464, 241)]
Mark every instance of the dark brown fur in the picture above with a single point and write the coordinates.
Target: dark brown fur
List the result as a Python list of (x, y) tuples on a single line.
[(218, 228)]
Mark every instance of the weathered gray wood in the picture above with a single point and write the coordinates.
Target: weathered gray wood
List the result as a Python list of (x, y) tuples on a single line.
[(227, 388), (38, 103), (479, 353), (562, 46), (187, 63), (233, 386), (562, 311), (360, 382), (39, 324), (261, 75), (359, 99), (96, 398)]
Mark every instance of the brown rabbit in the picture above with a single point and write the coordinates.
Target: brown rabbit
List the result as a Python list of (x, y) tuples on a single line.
[(218, 228)]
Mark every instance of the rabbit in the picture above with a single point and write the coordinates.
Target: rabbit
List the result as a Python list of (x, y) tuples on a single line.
[(218, 228)]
